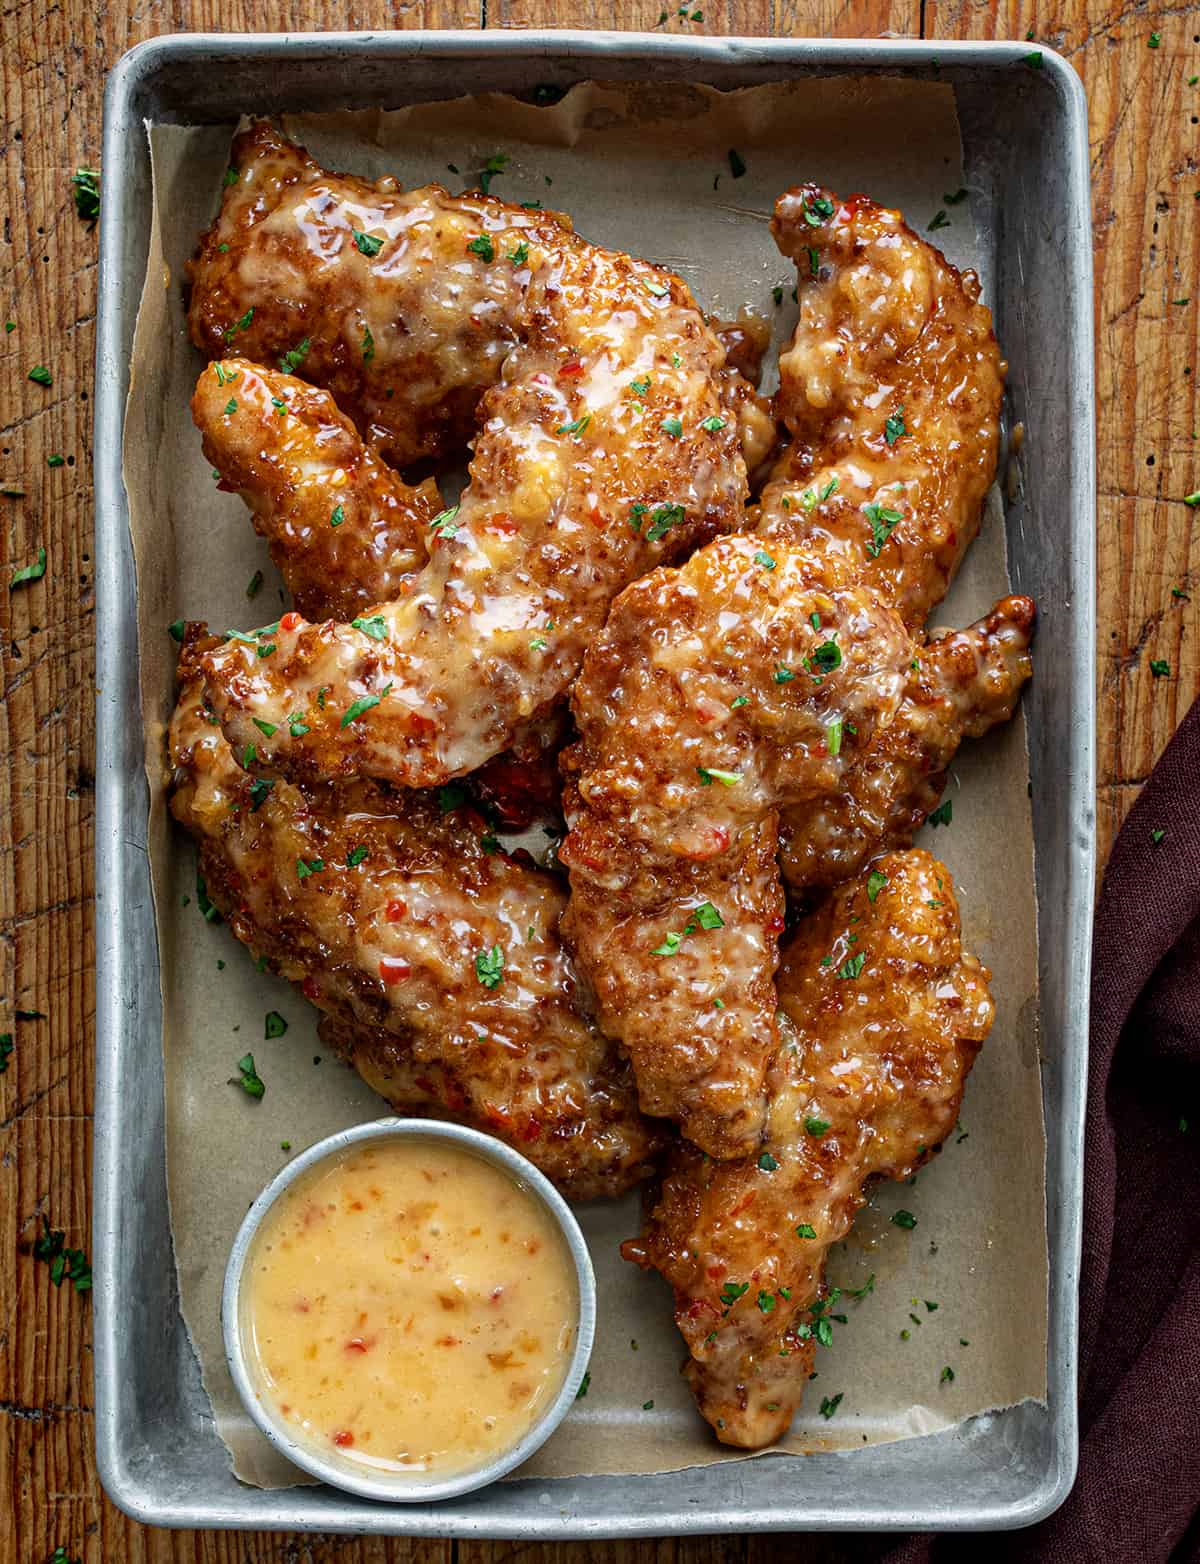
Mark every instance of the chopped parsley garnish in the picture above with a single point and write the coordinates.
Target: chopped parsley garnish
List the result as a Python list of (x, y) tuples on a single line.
[(267, 728), (894, 429), (805, 1230), (274, 1025), (55, 461), (876, 881), (239, 325), (861, 1292), (732, 1291), (230, 177), (833, 737), (669, 946), (375, 627), (816, 210), (647, 1406), (815, 1127), (1151, 43), (65, 1264), (259, 789), (363, 703), (662, 519), (938, 220), (584, 1383), (827, 656), (882, 521), (6, 1048), (953, 197), (254, 584), (483, 248), (280, 406), (337, 515), (814, 261), (493, 166), (765, 1301), (35, 572), (225, 377), (767, 1162), (709, 775), (830, 1404), (520, 255), (783, 675), (851, 967), (231, 407), (640, 388), (740, 700), (576, 426), (707, 917), (904, 1219), (452, 796), (764, 559), (304, 867), (947, 1376), (737, 164), (942, 815), (1034, 60), (297, 726), (489, 967), (86, 182), (672, 426), (355, 856), (445, 523), (1192, 499), (713, 424), (657, 289), (41, 376), (1157, 834), (294, 357), (247, 1077), (368, 345), (366, 244), (777, 295), (1159, 667)]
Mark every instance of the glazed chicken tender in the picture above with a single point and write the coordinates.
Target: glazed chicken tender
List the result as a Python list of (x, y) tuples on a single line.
[(604, 446), (882, 1014), (778, 683), (437, 961)]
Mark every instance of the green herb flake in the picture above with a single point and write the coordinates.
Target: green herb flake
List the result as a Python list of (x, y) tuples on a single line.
[(816, 210), (576, 426), (672, 426), (259, 789), (254, 585), (833, 737), (294, 357), (709, 775), (764, 559), (737, 164), (766, 1302), (767, 1162), (815, 1127), (657, 290), (942, 815), (86, 190), (732, 1291), (280, 406), (368, 345), (669, 946), (268, 728), (489, 967), (806, 1230), (830, 1404), (904, 1219), (851, 967), (355, 856), (783, 675), (56, 461), (297, 726), (274, 1025), (876, 881), (375, 627), (41, 376), (366, 244), (519, 256), (739, 700), (1159, 667), (1033, 60), (711, 425), (662, 519), (35, 572), (305, 867), (1151, 43), (362, 704), (647, 1406), (483, 248), (584, 1385), (247, 1077), (882, 521), (231, 407), (445, 524), (337, 515), (452, 796), (6, 1048), (65, 1264), (947, 1376), (894, 429), (239, 325)]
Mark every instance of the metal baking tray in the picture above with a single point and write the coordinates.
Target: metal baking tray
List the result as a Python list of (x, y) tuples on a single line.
[(1024, 128)]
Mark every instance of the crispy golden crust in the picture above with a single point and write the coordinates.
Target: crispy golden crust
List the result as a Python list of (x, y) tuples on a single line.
[(888, 330), (880, 1058), (344, 530), (964, 682), (710, 699), (605, 445), (396, 946)]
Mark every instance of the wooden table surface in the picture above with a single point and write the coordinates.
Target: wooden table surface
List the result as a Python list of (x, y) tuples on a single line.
[(1139, 64)]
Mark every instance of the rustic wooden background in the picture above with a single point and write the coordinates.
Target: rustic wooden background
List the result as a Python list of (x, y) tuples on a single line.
[(1139, 62)]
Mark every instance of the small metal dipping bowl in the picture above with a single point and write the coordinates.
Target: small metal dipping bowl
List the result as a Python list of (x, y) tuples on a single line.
[(419, 1487)]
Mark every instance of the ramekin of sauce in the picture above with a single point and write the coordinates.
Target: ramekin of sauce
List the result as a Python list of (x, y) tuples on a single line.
[(408, 1310)]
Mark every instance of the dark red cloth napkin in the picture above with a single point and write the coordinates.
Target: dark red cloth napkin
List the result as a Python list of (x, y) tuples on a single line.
[(1137, 1496)]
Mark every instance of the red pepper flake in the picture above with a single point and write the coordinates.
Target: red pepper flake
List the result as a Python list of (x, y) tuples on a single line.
[(343, 1439), (421, 724), (395, 911), (290, 621), (357, 1344), (573, 366), (311, 988), (393, 970), (448, 1341), (503, 523), (776, 925), (530, 1130)]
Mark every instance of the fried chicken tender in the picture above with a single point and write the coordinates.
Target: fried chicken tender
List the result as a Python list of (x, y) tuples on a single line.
[(717, 691), (343, 529), (773, 674), (882, 1016), (891, 389), (964, 682), (438, 962), (604, 446)]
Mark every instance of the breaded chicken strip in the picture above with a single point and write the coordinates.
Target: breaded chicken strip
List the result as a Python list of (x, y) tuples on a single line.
[(773, 674), (744, 680), (344, 530), (439, 956), (962, 683), (882, 1016), (604, 446), (891, 389)]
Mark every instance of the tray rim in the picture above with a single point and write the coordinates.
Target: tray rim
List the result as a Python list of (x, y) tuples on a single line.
[(117, 790)]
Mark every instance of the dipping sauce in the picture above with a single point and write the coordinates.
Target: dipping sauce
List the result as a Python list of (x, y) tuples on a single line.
[(408, 1307)]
